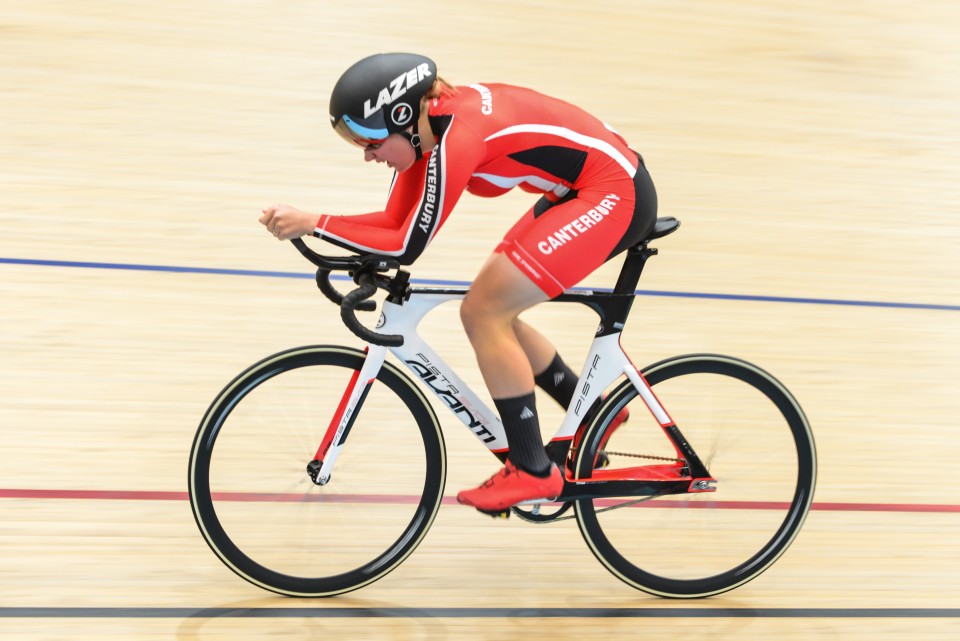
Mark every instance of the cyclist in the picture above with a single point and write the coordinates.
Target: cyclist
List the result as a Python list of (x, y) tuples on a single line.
[(596, 200)]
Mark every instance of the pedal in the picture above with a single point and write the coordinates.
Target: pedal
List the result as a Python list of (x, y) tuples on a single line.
[(497, 514)]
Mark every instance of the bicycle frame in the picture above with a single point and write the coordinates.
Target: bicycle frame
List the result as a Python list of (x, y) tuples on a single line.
[(594, 446), (606, 362)]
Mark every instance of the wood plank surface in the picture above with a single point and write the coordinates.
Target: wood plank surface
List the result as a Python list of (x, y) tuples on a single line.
[(810, 149)]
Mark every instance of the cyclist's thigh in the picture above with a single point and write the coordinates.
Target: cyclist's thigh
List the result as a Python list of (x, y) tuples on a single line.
[(500, 287), (563, 245)]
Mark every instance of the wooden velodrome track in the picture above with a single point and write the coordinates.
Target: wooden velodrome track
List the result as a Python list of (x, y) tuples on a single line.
[(812, 151)]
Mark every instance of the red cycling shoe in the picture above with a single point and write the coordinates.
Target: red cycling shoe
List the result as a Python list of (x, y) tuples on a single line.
[(510, 486)]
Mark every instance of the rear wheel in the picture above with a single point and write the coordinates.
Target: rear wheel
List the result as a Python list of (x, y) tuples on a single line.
[(755, 440)]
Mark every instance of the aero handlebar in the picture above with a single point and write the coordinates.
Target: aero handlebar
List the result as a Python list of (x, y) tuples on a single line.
[(363, 270)]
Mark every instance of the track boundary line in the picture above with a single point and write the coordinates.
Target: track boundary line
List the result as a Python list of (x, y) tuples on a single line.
[(439, 282)]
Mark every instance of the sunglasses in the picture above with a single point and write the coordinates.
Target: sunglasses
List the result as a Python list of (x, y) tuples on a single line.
[(360, 136)]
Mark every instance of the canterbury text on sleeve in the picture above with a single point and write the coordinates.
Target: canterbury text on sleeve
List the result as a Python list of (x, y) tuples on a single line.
[(491, 138)]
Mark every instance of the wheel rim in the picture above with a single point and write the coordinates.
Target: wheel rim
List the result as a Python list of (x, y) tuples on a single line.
[(289, 535), (671, 537)]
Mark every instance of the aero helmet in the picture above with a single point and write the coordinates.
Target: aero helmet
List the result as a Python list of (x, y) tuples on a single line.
[(379, 96)]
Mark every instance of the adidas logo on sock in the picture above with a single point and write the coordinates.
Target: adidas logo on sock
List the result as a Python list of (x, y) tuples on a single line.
[(526, 413), (558, 378)]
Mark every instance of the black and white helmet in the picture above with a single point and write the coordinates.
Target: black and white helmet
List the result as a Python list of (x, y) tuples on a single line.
[(380, 95)]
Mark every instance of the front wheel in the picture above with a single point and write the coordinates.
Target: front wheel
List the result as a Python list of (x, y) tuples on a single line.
[(752, 436), (258, 508)]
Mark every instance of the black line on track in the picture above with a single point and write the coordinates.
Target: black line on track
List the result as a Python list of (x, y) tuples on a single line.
[(474, 613)]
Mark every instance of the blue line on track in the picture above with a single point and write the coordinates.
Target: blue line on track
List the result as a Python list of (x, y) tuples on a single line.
[(452, 283)]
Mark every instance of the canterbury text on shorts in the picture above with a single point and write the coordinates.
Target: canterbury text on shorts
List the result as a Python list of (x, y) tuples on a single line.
[(558, 245)]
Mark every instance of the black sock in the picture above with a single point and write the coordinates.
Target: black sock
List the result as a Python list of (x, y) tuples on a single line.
[(519, 418), (559, 381)]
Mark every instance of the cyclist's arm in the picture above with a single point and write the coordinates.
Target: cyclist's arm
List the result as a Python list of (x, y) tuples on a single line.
[(381, 232), (419, 203)]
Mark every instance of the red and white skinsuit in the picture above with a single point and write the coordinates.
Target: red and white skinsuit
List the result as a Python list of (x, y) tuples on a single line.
[(492, 138)]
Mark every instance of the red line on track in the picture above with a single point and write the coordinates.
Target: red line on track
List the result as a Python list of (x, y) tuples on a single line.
[(139, 495)]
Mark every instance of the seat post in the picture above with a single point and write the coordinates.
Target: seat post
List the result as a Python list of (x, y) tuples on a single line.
[(632, 268)]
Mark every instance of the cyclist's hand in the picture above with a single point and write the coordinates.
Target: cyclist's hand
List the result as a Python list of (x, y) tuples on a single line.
[(286, 222)]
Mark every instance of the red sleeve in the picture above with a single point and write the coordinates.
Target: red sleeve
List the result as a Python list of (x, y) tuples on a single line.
[(420, 201)]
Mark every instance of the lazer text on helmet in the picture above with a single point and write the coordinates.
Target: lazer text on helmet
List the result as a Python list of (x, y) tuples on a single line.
[(398, 87)]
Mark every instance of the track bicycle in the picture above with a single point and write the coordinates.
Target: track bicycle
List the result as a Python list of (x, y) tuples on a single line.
[(319, 469)]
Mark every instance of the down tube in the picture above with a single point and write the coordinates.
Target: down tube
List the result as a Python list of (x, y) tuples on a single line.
[(433, 372)]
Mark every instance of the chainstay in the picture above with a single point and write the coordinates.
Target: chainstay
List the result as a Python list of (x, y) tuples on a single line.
[(601, 510), (626, 503), (643, 499)]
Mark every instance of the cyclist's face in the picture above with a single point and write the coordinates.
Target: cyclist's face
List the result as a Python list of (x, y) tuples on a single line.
[(395, 151)]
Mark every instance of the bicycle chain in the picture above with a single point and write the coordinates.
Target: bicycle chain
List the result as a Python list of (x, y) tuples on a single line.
[(647, 456), (628, 503)]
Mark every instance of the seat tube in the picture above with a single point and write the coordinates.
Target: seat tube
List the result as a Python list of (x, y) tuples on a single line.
[(605, 363)]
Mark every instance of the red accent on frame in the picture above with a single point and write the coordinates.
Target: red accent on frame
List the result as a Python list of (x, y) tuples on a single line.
[(337, 417)]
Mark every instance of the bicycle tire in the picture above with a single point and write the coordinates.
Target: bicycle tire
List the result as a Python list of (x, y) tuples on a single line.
[(303, 539), (759, 505)]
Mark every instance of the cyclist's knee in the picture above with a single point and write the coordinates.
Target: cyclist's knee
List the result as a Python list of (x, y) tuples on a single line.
[(475, 315), (498, 295), (481, 317), (468, 317)]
